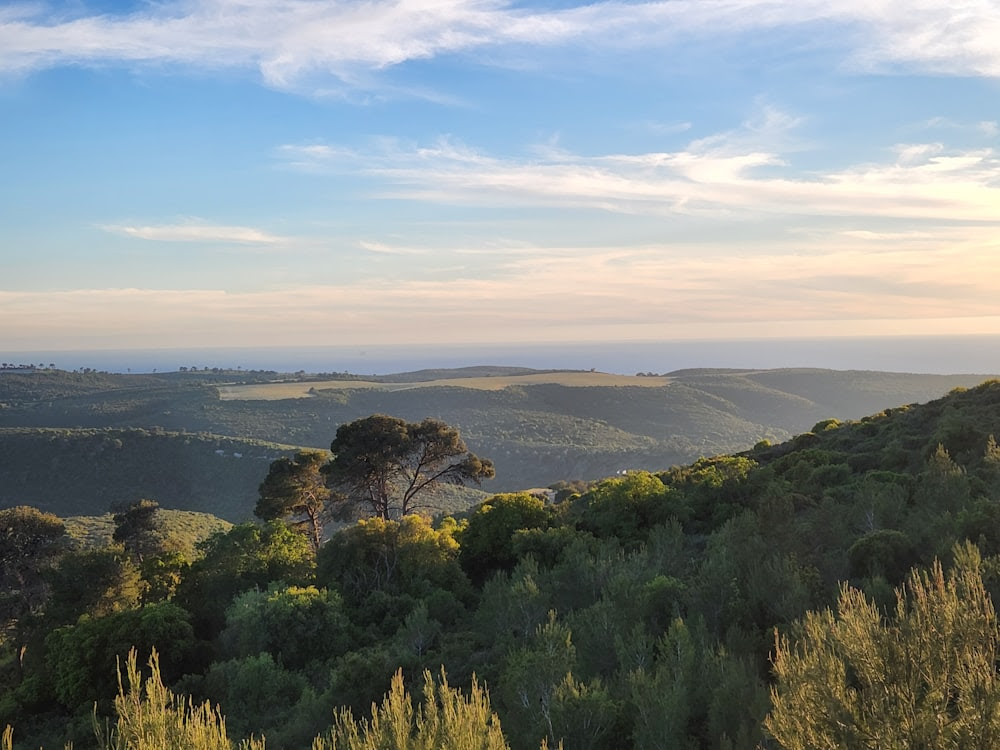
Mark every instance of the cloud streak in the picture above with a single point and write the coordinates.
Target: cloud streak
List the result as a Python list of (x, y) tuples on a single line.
[(572, 293), (290, 42), (196, 232), (726, 175)]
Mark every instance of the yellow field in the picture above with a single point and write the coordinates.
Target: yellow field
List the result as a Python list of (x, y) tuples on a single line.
[(278, 391)]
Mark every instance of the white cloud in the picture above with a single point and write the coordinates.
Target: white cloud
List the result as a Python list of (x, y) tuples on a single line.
[(196, 232), (874, 236), (987, 128), (290, 42), (663, 128), (731, 174), (382, 248), (313, 156), (854, 282)]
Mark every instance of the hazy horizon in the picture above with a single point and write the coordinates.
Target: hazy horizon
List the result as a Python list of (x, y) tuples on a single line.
[(918, 354)]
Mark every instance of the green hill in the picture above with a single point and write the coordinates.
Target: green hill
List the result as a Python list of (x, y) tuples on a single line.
[(187, 448), (73, 472), (641, 610)]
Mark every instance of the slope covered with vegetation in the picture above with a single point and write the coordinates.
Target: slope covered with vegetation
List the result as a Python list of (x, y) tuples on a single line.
[(184, 529), (87, 471), (172, 426), (639, 611)]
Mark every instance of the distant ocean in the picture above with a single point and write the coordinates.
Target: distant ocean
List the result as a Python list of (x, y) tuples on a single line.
[(932, 354)]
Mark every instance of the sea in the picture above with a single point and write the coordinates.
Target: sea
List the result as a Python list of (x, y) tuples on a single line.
[(915, 354)]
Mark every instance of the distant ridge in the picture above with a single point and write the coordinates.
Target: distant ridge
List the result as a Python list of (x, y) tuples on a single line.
[(475, 371), (85, 472), (74, 443), (696, 371)]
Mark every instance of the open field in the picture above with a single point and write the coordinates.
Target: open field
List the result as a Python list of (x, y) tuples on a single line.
[(576, 379)]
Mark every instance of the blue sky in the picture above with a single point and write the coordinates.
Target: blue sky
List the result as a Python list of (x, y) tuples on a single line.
[(298, 172)]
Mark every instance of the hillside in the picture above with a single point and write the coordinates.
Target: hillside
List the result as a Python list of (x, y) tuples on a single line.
[(184, 529), (641, 611), (59, 431), (84, 472)]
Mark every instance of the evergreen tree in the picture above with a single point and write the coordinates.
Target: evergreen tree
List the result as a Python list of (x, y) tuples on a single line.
[(388, 465), (295, 489)]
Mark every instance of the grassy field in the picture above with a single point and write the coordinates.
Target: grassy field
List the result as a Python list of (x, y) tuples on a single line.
[(185, 528), (278, 391)]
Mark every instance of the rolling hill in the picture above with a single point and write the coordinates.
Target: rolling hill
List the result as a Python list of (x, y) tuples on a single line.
[(76, 443)]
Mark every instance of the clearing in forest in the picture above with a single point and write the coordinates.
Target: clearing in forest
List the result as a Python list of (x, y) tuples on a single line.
[(305, 389)]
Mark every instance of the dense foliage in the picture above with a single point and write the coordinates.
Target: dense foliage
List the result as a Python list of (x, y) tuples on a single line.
[(762, 599), (76, 442), (389, 466), (924, 677), (82, 472)]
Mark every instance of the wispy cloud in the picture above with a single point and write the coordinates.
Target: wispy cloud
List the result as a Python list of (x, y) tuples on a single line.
[(988, 128), (841, 284), (291, 41), (382, 248), (311, 157), (733, 174), (196, 232), (662, 128)]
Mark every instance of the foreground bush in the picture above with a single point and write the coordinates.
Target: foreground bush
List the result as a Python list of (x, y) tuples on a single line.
[(926, 677), (149, 716), (446, 720)]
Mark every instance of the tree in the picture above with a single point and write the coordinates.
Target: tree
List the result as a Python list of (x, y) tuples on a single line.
[(925, 678), (245, 557), (139, 528), (488, 540), (260, 696), (405, 557), (30, 541), (295, 488), (81, 658), (627, 507), (92, 582), (532, 676), (301, 626), (885, 552), (386, 463)]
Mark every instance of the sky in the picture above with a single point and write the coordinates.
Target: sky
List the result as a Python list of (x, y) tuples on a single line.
[(199, 173)]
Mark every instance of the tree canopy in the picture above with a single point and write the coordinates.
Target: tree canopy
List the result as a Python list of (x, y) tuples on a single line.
[(139, 529), (29, 543), (387, 464), (295, 488)]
